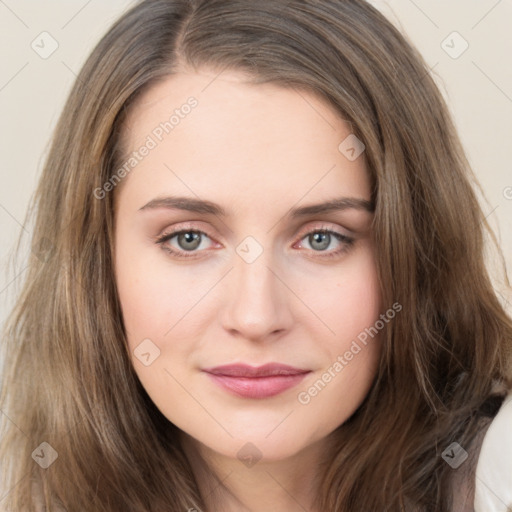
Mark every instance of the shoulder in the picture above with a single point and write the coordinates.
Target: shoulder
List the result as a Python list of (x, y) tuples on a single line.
[(493, 486)]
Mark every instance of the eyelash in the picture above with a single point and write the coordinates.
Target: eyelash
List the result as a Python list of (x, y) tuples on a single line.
[(347, 241)]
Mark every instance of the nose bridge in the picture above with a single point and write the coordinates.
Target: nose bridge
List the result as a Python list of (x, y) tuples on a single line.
[(257, 305)]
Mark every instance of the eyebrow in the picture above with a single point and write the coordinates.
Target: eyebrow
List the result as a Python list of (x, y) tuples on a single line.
[(207, 207)]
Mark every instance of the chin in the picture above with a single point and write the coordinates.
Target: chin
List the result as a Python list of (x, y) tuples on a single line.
[(258, 447)]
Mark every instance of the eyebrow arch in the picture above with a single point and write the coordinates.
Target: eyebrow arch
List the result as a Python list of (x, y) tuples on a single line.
[(207, 207)]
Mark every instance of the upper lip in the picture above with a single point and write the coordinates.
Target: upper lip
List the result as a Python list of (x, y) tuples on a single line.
[(244, 370)]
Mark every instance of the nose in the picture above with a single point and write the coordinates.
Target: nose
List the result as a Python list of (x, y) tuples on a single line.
[(257, 307)]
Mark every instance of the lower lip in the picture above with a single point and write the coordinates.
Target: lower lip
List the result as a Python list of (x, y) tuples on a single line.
[(257, 387)]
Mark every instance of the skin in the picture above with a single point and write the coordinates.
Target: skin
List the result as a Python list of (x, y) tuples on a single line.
[(258, 151)]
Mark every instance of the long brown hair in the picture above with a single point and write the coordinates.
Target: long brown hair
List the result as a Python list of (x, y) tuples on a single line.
[(68, 379)]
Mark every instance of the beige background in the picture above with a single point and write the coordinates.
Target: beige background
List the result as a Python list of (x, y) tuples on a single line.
[(477, 85)]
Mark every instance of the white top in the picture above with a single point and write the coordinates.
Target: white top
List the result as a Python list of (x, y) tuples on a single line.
[(493, 490)]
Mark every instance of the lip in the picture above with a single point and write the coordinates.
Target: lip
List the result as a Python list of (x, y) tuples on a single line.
[(256, 382), (245, 370)]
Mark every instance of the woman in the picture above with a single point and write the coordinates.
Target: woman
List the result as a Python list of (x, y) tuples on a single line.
[(252, 288)]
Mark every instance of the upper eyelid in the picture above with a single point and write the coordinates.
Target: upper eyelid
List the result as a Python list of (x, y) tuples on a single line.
[(325, 227), (303, 231)]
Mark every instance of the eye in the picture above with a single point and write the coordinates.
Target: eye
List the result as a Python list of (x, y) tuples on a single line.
[(321, 239), (187, 240)]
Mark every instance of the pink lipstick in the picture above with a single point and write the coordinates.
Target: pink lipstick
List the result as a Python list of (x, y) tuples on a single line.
[(256, 382)]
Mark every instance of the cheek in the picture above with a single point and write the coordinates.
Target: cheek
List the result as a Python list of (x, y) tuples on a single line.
[(151, 296), (350, 307), (358, 339), (347, 300), (159, 303), (142, 306), (151, 303)]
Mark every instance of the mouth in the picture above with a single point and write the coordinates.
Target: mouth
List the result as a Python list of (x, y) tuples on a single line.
[(256, 382)]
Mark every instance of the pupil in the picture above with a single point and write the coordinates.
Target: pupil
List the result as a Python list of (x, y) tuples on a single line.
[(322, 239), (189, 240)]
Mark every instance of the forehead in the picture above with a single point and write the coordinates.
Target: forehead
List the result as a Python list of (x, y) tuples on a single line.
[(218, 133)]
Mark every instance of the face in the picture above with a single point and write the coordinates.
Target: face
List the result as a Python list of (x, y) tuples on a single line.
[(220, 261)]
